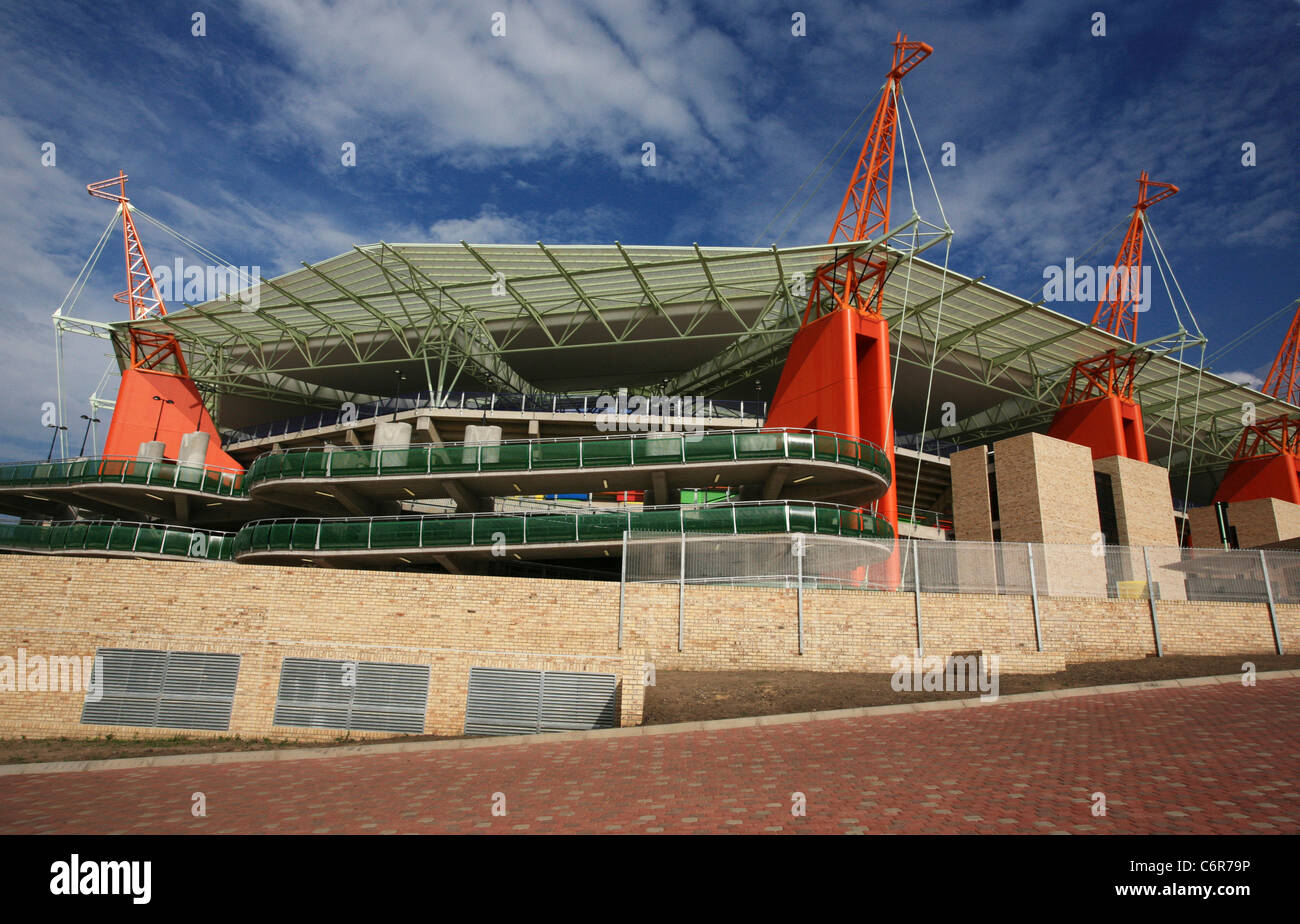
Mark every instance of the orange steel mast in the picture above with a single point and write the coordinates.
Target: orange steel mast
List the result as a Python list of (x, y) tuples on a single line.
[(157, 400), (1097, 409), (148, 350), (1267, 460), (837, 376)]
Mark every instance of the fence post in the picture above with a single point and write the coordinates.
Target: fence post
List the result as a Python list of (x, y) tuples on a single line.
[(622, 589), (916, 596), (1151, 599), (1272, 610), (798, 558), (1033, 596), (681, 592)]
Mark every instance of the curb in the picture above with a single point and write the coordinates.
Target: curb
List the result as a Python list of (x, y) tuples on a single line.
[(792, 718)]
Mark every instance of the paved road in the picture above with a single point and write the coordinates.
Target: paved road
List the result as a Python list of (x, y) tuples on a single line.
[(1202, 759)]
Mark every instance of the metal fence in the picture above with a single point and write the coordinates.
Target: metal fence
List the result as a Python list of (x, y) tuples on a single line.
[(604, 451), (117, 537), (1027, 569), (128, 470), (483, 401)]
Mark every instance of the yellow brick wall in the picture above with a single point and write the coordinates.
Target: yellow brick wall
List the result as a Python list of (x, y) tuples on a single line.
[(67, 606)]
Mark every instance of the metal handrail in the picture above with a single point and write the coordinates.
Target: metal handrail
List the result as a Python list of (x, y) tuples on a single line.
[(9, 536), (425, 400), (93, 473), (243, 538), (875, 458)]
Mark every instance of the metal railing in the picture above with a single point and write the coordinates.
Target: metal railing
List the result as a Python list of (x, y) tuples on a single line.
[(1001, 568), (922, 517), (602, 451), (485, 529), (117, 536), (478, 401), (929, 445), (127, 470)]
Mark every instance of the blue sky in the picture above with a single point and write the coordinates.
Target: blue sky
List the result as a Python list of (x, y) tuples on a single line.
[(234, 139)]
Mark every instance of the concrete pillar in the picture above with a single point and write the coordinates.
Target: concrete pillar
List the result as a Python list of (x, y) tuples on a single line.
[(194, 448), (192, 455), (477, 435), (392, 439), (151, 450), (392, 435)]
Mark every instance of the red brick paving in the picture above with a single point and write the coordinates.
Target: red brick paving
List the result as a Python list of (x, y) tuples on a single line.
[(1208, 759)]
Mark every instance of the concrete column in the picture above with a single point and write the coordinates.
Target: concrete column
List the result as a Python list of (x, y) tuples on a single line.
[(391, 435), (486, 435), (151, 450), (193, 453), (194, 447), (392, 439)]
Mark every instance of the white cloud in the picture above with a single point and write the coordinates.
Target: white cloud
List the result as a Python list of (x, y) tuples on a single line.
[(403, 77), (1242, 377)]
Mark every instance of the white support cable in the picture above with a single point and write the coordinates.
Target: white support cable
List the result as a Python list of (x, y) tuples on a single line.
[(1246, 335), (79, 283), (831, 150), (1191, 443), (1172, 275), (943, 287), (925, 161)]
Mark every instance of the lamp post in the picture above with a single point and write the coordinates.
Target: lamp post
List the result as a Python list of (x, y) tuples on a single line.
[(158, 422), (89, 420), (49, 456), (397, 404)]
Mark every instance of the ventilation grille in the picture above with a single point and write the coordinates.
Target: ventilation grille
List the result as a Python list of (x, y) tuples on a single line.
[(514, 702), (352, 695), (162, 689)]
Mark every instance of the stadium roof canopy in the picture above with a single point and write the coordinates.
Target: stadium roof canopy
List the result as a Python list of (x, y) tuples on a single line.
[(681, 320)]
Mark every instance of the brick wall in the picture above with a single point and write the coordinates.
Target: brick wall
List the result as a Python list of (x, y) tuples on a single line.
[(972, 510), (66, 606)]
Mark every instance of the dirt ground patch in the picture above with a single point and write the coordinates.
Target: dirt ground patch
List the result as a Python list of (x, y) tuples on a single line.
[(692, 696), (43, 750)]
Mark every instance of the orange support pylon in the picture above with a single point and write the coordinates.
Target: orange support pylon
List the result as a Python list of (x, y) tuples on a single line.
[(837, 377), (157, 400), (1098, 409)]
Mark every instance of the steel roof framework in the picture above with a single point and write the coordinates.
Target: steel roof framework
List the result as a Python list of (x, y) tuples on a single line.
[(473, 308)]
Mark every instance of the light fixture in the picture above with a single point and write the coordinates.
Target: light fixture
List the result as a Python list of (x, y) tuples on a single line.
[(803, 479), (325, 494)]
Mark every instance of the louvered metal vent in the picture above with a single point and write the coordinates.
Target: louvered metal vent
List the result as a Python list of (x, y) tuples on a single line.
[(502, 701), (162, 689), (352, 695)]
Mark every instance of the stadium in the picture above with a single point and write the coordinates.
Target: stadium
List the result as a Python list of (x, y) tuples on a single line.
[(471, 424)]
